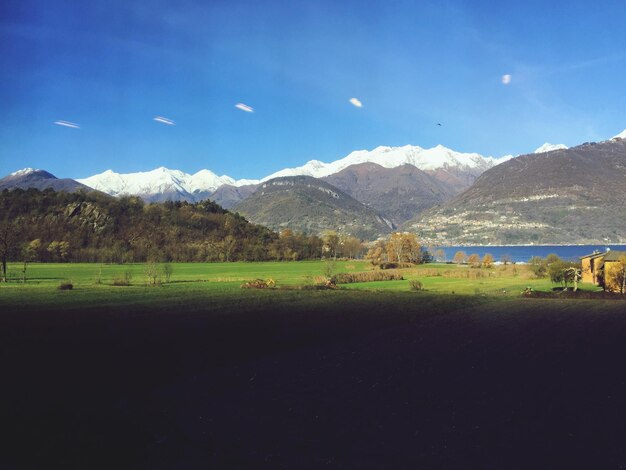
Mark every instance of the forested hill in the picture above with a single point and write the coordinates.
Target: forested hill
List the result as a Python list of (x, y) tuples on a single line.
[(60, 226)]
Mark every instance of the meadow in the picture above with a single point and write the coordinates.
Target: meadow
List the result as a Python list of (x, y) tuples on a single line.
[(200, 373), (195, 283)]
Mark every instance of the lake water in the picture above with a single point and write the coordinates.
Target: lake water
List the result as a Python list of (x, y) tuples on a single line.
[(521, 254)]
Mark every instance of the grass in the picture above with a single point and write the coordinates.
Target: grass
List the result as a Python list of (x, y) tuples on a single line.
[(98, 281), (86, 273), (199, 373), (217, 286)]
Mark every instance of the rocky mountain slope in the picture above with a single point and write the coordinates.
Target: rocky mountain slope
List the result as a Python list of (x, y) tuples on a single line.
[(229, 195), (307, 204), (400, 193), (575, 195)]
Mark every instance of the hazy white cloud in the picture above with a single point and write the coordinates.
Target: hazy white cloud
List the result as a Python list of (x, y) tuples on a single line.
[(164, 120), (356, 102), (67, 124), (506, 79), (244, 107)]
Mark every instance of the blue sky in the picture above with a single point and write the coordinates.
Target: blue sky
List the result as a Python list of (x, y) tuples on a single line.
[(111, 67)]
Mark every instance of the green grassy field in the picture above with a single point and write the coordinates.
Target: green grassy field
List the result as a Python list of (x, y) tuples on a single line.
[(87, 274), (199, 373), (195, 284)]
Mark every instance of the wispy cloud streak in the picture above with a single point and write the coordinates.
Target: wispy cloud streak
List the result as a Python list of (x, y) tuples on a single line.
[(595, 62), (356, 102), (244, 107), (67, 124), (164, 120)]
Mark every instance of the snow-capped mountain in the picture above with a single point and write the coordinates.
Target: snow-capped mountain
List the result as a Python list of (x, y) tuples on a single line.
[(38, 179), (548, 147), (160, 184), (391, 157), (163, 184), (24, 172), (621, 135)]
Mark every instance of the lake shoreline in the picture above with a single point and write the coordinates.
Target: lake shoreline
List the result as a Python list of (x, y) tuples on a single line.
[(523, 253)]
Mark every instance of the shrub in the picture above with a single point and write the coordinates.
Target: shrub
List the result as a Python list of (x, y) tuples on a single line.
[(122, 279), (319, 283), (367, 276), (538, 266), (152, 273), (323, 282), (330, 266), (98, 279), (416, 285), (168, 269), (395, 265), (431, 272), (66, 286), (259, 284), (562, 272)]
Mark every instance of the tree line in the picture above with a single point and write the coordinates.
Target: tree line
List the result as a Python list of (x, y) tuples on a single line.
[(94, 227)]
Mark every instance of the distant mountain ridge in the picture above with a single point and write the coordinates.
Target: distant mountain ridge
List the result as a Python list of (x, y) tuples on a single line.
[(574, 195), (553, 195), (228, 195), (393, 157), (400, 193), (306, 204), (162, 183), (40, 179)]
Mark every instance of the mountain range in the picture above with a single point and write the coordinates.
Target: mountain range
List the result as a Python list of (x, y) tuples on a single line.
[(161, 184), (575, 195), (554, 194)]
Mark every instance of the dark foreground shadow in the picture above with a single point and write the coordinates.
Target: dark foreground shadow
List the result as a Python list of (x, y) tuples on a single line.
[(534, 384)]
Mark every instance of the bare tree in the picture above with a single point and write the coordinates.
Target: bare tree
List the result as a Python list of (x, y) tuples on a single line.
[(352, 246), (574, 274), (29, 253), (331, 242), (8, 235)]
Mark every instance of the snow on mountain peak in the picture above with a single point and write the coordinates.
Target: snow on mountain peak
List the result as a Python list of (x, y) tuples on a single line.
[(621, 135), (392, 157), (548, 147), (24, 172), (165, 181), (206, 180), (158, 181)]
